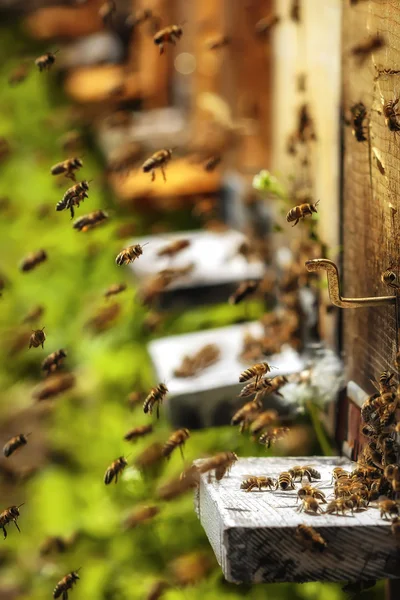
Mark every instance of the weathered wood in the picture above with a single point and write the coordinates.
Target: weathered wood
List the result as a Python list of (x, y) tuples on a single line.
[(253, 534)]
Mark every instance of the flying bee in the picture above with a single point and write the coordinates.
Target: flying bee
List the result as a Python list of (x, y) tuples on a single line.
[(7, 516), (57, 544), (33, 315), (107, 11), (53, 386), (310, 504), (272, 386), (168, 35), (104, 318), (140, 17), (257, 482), (339, 505), (194, 364), (210, 164), (221, 464), (246, 414), (310, 539), (300, 212), (253, 388), (362, 50), (135, 398), (52, 362), (157, 161), (90, 220), (14, 444), (177, 486), (264, 26), (140, 515), (37, 338), (219, 42), (388, 507), (263, 420), (33, 260), (359, 113), (155, 398), (19, 74), (116, 467), (65, 584), (274, 435), (138, 432), (308, 490), (284, 481), (245, 289), (129, 254), (306, 471), (157, 589), (150, 458), (67, 167), (172, 249), (114, 289), (256, 371), (46, 61), (177, 439), (73, 197)]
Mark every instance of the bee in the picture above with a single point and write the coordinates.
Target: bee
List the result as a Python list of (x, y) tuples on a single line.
[(157, 161), (7, 516), (65, 584), (140, 17), (359, 113), (245, 289), (151, 457), (246, 414), (116, 467), (359, 500), (257, 482), (300, 212), (362, 50), (221, 464), (46, 61), (177, 439), (389, 451), (219, 42), (67, 167), (388, 507), (139, 515), (272, 386), (309, 504), (395, 528), (57, 544), (252, 387), (262, 421), (115, 289), (135, 398), (104, 318), (19, 74), (33, 315), (339, 505), (73, 197), (256, 371), (138, 432), (264, 26), (107, 11), (285, 481), (155, 397), (177, 486), (53, 386), (210, 164), (168, 35), (37, 338), (308, 490), (274, 435), (33, 260), (52, 362), (339, 473), (310, 539), (295, 12), (157, 589), (90, 220), (369, 431), (14, 444), (129, 254), (172, 249), (384, 382), (307, 471)]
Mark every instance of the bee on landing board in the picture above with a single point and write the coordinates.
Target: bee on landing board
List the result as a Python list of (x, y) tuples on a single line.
[(138, 432), (168, 35), (221, 464), (310, 539), (308, 490), (177, 439), (388, 507), (155, 398), (301, 212), (67, 167), (257, 482), (14, 444), (52, 362), (256, 371), (37, 338), (9, 515), (309, 504), (158, 160), (33, 260), (305, 471), (90, 220), (46, 61), (73, 197), (116, 467), (65, 584), (245, 289), (129, 254), (172, 249), (284, 481)]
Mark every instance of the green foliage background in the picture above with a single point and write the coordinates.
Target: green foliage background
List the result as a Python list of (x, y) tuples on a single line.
[(88, 424)]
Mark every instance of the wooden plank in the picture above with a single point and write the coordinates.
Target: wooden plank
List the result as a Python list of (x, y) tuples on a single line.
[(253, 534)]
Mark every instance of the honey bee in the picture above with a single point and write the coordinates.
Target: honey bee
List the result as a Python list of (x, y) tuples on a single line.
[(57, 544), (33, 315), (65, 584), (33, 260), (310, 539), (46, 61), (67, 167), (157, 161), (53, 386), (150, 458), (104, 318), (179, 485), (295, 12), (256, 371), (90, 220), (339, 505), (274, 435), (264, 26), (308, 490), (52, 362), (359, 113), (172, 249), (388, 507), (14, 444), (257, 482), (203, 358), (369, 431), (246, 414), (116, 467), (19, 74), (135, 398), (155, 398), (221, 464), (115, 289), (73, 197), (389, 450), (168, 35), (157, 589), (395, 528), (140, 515), (370, 456), (107, 11), (7, 516), (272, 386), (362, 50), (210, 164), (309, 504), (129, 255), (262, 421), (245, 289), (306, 471), (285, 481), (177, 439), (252, 387), (138, 432), (140, 17), (359, 500), (219, 42), (37, 338), (300, 212)]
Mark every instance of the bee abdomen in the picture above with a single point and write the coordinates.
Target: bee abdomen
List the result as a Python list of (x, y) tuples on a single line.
[(149, 164)]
